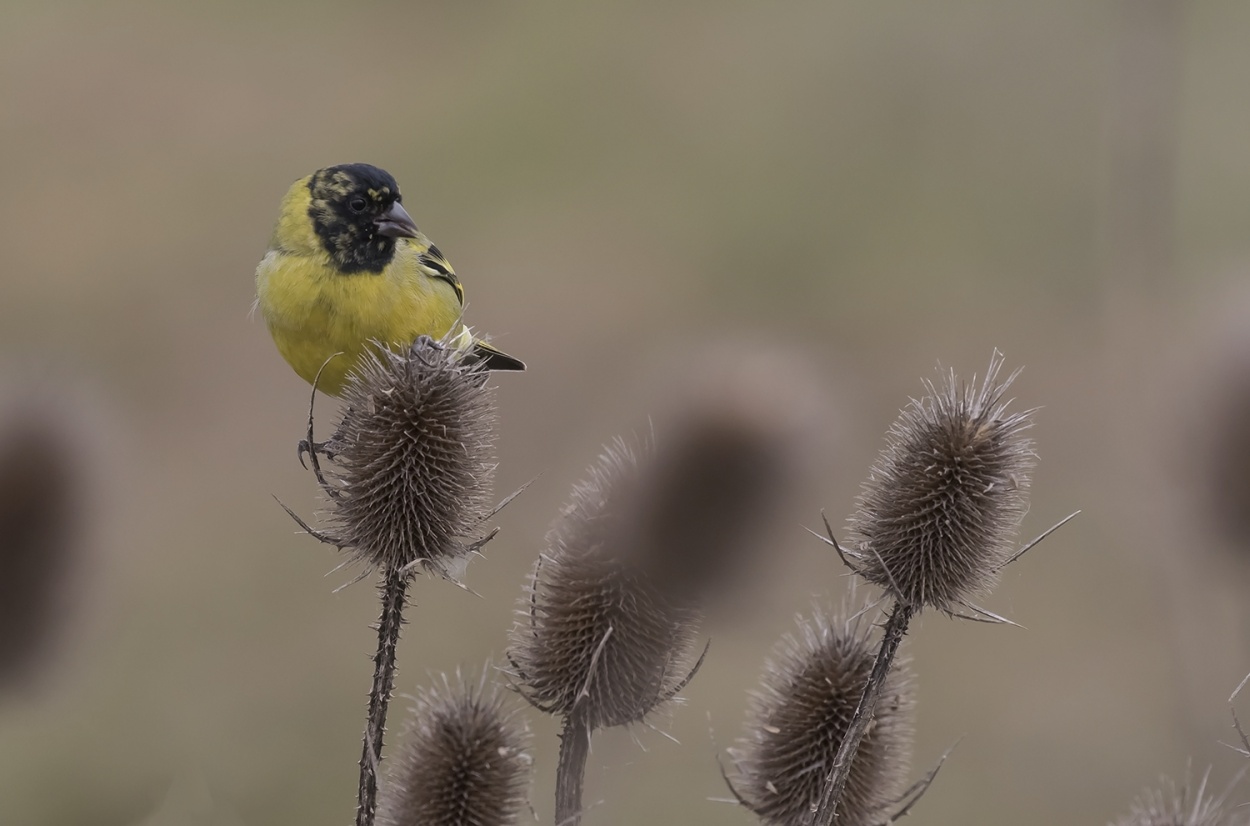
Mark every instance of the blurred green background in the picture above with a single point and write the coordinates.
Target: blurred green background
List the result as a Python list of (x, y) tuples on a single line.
[(875, 186)]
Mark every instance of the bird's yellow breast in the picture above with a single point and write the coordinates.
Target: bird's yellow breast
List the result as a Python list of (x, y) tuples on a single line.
[(313, 311)]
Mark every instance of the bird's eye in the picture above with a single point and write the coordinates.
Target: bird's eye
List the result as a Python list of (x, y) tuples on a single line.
[(399, 199), (356, 204)]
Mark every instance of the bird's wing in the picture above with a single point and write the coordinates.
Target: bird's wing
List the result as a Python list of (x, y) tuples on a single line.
[(436, 265), (495, 358)]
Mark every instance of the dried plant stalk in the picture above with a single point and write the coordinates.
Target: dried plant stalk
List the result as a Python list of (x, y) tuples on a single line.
[(408, 488), (935, 523)]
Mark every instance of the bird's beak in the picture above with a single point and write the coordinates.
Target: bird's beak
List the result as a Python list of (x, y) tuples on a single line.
[(396, 223)]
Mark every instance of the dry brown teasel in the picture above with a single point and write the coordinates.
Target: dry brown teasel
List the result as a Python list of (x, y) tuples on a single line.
[(44, 487), (413, 460), (408, 486), (1170, 804), (596, 634), (599, 643), (811, 685), (463, 761), (936, 520), (727, 459)]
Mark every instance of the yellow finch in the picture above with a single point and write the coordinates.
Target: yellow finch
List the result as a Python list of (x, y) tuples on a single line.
[(347, 265)]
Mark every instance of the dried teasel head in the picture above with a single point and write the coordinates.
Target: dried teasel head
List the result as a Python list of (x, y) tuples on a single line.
[(936, 520), (412, 459), (596, 634), (1225, 444), (44, 488), (811, 685), (1186, 805), (462, 762), (730, 449)]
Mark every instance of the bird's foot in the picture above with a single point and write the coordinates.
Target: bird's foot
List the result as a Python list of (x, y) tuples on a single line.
[(329, 449)]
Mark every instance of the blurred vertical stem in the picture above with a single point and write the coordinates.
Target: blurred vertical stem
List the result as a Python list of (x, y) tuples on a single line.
[(1140, 199), (574, 749), (895, 630), (393, 590), (1141, 294)]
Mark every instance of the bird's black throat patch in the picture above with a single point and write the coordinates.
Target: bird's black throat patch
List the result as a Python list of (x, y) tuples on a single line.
[(348, 233)]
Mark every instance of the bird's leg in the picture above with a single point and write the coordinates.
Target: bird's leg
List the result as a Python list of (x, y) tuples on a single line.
[(329, 449), (313, 450), (310, 447)]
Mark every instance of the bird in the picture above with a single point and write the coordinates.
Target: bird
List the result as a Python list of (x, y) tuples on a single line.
[(346, 267)]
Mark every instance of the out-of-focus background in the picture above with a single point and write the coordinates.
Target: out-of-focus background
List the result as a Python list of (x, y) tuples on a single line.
[(873, 187)]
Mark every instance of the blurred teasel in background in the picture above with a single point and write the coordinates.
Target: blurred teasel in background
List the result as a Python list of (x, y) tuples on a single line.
[(657, 529), (1170, 804), (47, 482)]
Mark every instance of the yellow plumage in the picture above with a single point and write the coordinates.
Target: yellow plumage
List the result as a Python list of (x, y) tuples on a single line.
[(337, 277)]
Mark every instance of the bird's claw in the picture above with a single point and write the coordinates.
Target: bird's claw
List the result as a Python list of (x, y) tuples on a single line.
[(428, 341), (313, 449)]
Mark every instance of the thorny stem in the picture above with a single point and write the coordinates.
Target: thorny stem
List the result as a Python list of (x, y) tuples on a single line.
[(574, 749), (895, 630), (393, 590)]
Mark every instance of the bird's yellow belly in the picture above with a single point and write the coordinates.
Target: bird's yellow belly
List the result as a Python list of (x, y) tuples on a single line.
[(323, 321)]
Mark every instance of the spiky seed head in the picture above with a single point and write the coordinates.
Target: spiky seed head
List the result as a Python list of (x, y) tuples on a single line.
[(1170, 805), (1226, 438), (414, 458), (43, 493), (811, 685), (936, 519), (463, 761), (596, 633)]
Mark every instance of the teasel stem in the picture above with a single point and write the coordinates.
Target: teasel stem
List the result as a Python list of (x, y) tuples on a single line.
[(895, 630), (571, 769), (394, 588), (408, 491)]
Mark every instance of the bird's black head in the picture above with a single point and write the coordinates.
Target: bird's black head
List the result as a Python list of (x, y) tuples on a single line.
[(356, 213)]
